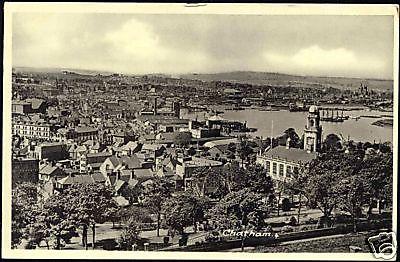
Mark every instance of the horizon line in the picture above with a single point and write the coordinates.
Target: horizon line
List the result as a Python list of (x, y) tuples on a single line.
[(203, 73)]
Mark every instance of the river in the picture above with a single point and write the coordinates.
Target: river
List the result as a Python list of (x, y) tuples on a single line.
[(358, 130)]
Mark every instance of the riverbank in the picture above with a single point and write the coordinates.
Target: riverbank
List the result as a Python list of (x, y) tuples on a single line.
[(384, 123)]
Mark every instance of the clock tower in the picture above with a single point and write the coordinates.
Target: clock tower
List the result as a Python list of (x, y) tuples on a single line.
[(313, 131)]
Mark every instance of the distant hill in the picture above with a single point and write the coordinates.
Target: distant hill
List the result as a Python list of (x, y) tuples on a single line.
[(249, 77), (59, 70), (278, 79)]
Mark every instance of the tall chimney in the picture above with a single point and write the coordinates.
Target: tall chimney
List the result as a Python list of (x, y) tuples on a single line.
[(155, 105)]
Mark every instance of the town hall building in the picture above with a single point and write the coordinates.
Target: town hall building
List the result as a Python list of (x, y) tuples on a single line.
[(281, 161)]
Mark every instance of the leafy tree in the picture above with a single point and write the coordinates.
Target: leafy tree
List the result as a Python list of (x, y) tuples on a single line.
[(53, 221), (377, 173), (131, 193), (23, 201), (229, 178), (319, 180), (88, 205), (332, 143), (182, 139), (185, 209), (244, 149), (156, 193), (232, 147), (352, 196), (258, 181), (242, 208), (385, 147), (129, 235), (295, 140)]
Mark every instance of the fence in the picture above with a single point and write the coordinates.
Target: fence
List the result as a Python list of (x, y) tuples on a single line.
[(265, 241)]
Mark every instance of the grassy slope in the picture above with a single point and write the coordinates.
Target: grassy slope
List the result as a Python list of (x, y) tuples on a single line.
[(332, 245)]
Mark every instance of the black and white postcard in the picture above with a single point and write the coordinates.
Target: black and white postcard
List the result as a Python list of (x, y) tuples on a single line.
[(246, 131)]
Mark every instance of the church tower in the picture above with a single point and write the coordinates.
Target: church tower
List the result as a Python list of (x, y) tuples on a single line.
[(313, 131)]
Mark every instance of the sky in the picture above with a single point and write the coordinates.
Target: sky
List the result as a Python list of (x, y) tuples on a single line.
[(349, 46)]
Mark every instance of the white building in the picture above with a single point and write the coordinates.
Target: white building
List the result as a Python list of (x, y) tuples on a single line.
[(281, 161)]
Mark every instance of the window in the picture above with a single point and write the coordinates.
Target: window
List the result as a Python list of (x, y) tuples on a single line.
[(295, 170), (288, 170), (267, 166), (274, 167), (281, 169)]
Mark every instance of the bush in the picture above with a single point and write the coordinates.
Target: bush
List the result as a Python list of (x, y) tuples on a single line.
[(343, 218), (311, 220), (308, 227), (286, 205), (287, 229), (293, 221)]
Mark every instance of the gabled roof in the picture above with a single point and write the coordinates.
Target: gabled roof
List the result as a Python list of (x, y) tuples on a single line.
[(143, 174), (290, 154), (121, 201), (112, 179), (72, 148), (48, 170), (132, 161), (133, 182), (35, 102), (118, 184), (218, 142), (98, 177), (77, 179), (100, 154), (130, 145), (114, 160), (152, 147)]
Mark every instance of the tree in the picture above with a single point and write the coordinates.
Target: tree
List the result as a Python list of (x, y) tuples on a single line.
[(182, 139), (244, 149), (156, 193), (129, 235), (54, 221), (352, 196), (23, 201), (88, 205), (239, 210), (131, 193), (295, 140), (258, 181), (332, 143), (185, 209), (319, 180), (377, 173)]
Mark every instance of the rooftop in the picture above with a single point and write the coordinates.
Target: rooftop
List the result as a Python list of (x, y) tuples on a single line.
[(202, 162), (290, 154)]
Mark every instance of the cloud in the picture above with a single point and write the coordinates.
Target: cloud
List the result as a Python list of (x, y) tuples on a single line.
[(137, 40), (204, 43), (314, 59)]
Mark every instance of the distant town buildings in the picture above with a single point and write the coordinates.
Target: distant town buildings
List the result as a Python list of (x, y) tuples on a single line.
[(123, 131)]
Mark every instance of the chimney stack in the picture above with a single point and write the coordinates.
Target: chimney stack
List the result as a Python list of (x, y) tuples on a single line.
[(155, 105)]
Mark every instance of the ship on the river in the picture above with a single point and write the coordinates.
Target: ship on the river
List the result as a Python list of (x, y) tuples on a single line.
[(332, 115)]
